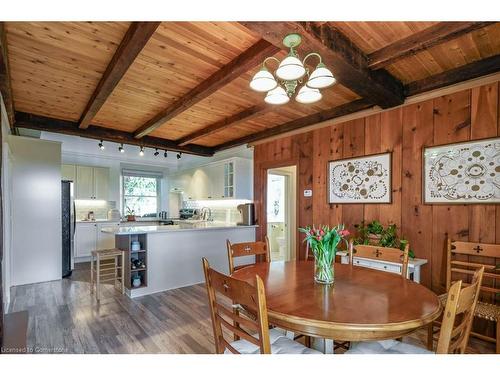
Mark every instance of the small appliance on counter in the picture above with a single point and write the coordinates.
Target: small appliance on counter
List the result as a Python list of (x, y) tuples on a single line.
[(247, 212), (90, 216), (114, 215), (187, 213), (163, 215)]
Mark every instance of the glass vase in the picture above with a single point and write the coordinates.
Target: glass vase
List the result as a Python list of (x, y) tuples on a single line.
[(324, 272)]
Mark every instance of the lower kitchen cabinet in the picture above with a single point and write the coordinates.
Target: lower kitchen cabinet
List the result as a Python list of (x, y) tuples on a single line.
[(85, 239), (89, 237)]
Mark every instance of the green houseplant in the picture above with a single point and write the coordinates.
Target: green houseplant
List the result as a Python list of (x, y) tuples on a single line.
[(374, 233), (323, 242)]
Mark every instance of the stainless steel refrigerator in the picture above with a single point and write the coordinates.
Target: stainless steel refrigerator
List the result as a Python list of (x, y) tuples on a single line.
[(68, 227)]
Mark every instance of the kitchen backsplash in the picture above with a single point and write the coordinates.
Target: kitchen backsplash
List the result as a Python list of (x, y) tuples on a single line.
[(222, 210), (100, 208)]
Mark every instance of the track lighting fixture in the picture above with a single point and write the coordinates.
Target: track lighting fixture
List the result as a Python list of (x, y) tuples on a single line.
[(101, 145), (141, 152), (121, 149), (156, 152), (165, 153), (179, 155)]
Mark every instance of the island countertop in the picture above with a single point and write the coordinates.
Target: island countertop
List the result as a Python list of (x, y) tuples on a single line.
[(202, 226)]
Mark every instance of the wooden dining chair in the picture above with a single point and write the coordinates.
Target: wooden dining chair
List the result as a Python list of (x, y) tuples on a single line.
[(460, 266), (253, 330), (260, 249), (455, 330), (387, 254)]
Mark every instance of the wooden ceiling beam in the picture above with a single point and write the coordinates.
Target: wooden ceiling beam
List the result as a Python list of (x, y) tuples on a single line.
[(234, 69), (5, 82), (473, 70), (31, 121), (131, 45), (348, 63), (329, 114), (245, 115), (437, 34)]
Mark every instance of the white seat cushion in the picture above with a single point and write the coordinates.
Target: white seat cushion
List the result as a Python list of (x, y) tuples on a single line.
[(385, 347), (280, 344)]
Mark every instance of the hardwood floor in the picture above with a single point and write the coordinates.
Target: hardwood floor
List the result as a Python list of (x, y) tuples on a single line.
[(64, 318)]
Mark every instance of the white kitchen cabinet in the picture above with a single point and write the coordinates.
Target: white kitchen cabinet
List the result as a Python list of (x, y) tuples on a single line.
[(85, 239), (84, 182), (101, 183), (231, 178), (68, 172), (92, 182)]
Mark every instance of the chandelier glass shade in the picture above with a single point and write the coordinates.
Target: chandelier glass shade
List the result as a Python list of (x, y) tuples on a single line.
[(277, 96), (291, 74), (263, 81), (308, 95)]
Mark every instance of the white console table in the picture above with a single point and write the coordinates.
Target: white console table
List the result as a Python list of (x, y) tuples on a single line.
[(413, 265)]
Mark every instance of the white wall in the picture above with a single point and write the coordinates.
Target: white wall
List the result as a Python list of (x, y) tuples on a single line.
[(36, 210), (6, 219)]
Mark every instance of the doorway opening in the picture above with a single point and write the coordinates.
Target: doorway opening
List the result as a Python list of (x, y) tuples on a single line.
[(281, 201)]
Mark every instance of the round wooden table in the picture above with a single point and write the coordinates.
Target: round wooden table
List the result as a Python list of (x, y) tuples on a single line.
[(362, 304)]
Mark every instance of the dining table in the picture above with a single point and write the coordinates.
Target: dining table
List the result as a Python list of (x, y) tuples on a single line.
[(361, 305)]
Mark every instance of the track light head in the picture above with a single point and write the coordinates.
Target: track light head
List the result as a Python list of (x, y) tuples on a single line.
[(141, 152), (101, 145), (156, 152), (179, 155), (165, 153), (121, 149)]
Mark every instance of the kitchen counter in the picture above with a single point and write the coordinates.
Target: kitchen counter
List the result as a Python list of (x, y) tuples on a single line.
[(173, 228), (173, 253)]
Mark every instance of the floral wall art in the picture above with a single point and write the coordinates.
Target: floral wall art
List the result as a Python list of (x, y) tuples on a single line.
[(360, 180), (463, 172)]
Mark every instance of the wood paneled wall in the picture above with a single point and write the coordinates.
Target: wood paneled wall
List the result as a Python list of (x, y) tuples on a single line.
[(465, 115)]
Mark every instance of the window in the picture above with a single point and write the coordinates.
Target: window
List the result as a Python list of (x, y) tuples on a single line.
[(141, 193)]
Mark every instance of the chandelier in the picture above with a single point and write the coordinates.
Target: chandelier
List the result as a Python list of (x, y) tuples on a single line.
[(291, 73)]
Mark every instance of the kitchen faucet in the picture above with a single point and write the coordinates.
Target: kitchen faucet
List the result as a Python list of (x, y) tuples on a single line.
[(206, 214)]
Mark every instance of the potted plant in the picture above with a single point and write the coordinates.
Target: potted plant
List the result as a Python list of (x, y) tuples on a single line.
[(130, 214), (323, 242), (375, 234)]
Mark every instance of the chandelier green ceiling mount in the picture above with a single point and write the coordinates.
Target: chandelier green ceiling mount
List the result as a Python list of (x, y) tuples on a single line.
[(291, 72)]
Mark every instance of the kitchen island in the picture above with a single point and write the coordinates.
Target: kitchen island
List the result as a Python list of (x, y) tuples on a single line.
[(171, 254)]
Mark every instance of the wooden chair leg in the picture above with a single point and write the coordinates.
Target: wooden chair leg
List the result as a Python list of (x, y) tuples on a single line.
[(430, 336), (122, 273), (92, 275), (98, 278), (307, 341)]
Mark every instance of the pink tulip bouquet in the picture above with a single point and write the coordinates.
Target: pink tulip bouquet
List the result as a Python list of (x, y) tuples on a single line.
[(323, 242)]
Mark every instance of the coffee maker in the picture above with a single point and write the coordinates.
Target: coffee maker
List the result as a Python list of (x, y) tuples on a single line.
[(247, 212)]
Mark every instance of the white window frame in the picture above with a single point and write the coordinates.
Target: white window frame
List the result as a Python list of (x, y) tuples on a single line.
[(144, 174)]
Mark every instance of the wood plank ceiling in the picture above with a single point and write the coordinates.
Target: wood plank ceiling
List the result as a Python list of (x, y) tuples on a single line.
[(184, 86)]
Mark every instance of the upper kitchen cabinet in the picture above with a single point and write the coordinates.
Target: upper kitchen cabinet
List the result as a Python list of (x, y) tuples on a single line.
[(228, 179), (90, 182)]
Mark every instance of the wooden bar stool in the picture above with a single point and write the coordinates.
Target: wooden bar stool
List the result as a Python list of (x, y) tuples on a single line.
[(107, 265)]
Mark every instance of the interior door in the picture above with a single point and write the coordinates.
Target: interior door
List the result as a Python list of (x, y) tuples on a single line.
[(277, 216)]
